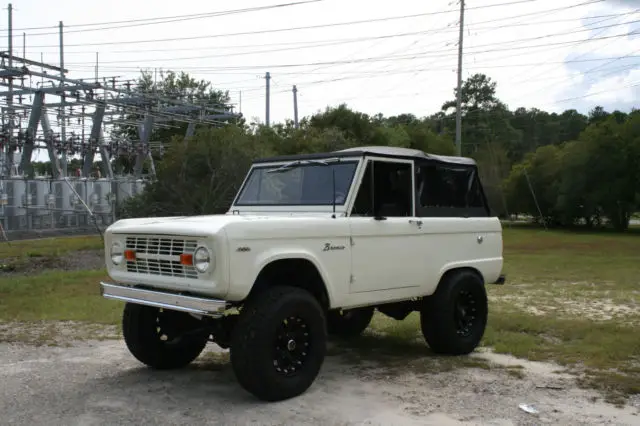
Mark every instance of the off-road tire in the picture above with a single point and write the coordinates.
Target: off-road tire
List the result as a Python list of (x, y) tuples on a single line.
[(439, 318), (140, 329), (255, 357), (349, 322)]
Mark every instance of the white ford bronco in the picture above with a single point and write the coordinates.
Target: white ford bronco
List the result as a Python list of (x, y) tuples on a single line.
[(310, 247)]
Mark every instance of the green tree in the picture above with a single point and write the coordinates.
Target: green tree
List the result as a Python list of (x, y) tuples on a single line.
[(355, 125), (595, 177), (201, 176), (614, 163), (484, 117), (172, 89), (532, 185)]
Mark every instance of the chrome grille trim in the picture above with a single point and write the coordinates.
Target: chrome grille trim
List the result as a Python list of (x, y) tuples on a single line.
[(161, 255)]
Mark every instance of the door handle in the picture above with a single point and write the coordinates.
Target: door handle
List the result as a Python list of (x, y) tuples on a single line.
[(417, 222)]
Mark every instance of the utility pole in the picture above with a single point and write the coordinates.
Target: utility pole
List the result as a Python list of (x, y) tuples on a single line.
[(7, 158), (63, 124), (268, 104), (295, 106), (459, 91)]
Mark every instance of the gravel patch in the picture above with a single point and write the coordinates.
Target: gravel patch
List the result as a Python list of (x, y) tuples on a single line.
[(55, 333), (99, 382)]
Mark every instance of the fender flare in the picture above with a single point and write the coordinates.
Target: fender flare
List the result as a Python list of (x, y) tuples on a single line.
[(271, 256)]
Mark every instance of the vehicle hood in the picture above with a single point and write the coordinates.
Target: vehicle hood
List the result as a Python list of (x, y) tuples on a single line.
[(200, 226), (197, 226)]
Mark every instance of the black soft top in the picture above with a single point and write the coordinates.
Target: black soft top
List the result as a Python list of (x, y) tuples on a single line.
[(379, 151)]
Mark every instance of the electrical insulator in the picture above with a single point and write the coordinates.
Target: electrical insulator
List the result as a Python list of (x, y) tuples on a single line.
[(50, 200)]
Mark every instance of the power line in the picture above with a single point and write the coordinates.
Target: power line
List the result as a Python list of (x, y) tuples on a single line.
[(415, 93), (424, 54), (634, 84), (590, 38), (487, 65), (253, 52), (593, 69), (337, 79), (382, 74), (308, 27), (358, 39), (165, 19), (419, 33), (199, 57), (414, 71)]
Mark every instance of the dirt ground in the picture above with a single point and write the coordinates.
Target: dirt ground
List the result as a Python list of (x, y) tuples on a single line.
[(79, 260), (99, 382), (87, 382)]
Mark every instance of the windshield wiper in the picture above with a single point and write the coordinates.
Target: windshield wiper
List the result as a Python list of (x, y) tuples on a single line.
[(288, 166)]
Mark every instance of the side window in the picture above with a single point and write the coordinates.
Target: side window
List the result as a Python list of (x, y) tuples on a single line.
[(448, 190), (386, 190), (475, 197), (363, 204)]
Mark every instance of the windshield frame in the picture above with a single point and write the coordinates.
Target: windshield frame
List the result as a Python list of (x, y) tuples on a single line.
[(317, 162)]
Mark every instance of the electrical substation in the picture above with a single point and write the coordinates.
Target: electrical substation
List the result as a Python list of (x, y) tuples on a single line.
[(45, 111)]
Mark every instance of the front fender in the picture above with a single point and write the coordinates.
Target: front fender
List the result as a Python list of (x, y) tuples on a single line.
[(244, 269)]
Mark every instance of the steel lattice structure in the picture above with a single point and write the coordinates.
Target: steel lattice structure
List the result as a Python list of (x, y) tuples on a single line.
[(43, 109), (83, 117)]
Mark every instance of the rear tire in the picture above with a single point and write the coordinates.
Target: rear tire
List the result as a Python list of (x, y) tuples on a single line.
[(349, 322), (454, 318), (161, 339), (279, 343)]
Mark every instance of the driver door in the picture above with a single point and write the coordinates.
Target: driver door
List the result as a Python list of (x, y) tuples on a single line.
[(384, 230)]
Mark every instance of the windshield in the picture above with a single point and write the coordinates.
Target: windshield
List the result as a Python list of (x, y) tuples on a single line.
[(298, 183)]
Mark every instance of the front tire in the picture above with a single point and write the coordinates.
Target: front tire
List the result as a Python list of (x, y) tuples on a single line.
[(349, 322), (454, 318), (162, 339), (279, 343)]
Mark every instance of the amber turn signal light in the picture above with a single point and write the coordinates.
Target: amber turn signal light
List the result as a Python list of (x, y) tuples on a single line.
[(186, 259), (130, 255)]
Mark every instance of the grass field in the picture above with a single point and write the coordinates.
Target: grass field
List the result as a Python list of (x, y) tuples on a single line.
[(47, 247), (571, 298)]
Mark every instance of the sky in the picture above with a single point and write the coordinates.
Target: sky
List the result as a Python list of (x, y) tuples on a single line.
[(391, 57)]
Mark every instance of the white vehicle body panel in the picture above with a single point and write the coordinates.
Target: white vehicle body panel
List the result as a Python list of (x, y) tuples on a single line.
[(389, 260), (362, 260)]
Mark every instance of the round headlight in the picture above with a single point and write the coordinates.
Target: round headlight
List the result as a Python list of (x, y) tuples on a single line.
[(117, 253), (202, 259)]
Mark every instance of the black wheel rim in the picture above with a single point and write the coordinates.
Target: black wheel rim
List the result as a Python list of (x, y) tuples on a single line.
[(168, 327), (292, 346), (347, 315), (465, 313)]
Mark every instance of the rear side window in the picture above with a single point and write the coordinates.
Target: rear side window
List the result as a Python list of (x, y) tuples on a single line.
[(449, 190)]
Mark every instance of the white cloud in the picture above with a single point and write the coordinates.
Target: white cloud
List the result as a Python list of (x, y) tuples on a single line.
[(614, 90)]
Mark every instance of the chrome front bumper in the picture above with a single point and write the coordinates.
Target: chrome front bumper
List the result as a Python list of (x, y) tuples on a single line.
[(159, 299)]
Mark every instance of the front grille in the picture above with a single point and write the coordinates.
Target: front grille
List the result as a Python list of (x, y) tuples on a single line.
[(161, 256)]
